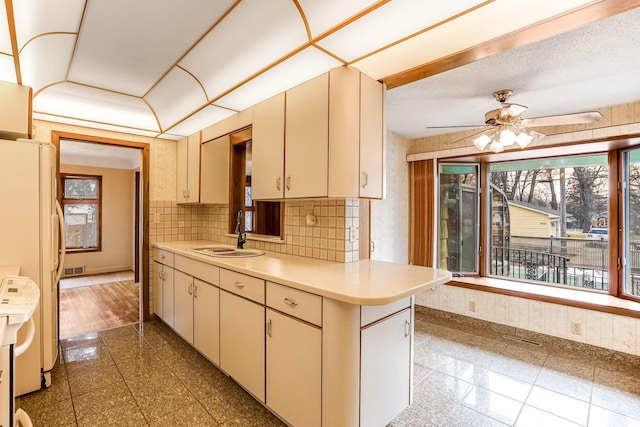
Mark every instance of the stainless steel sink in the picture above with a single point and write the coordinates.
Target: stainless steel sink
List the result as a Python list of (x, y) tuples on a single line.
[(222, 251)]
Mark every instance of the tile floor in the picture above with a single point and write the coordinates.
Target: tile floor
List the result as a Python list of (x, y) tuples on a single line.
[(145, 375)]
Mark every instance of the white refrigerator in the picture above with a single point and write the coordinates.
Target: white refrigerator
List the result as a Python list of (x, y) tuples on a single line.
[(31, 228)]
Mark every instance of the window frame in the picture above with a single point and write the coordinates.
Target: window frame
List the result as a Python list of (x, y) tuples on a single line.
[(75, 201), (614, 148)]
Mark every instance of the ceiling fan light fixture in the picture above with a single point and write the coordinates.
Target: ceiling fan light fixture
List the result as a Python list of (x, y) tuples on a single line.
[(496, 146), (523, 139), (507, 137), (482, 141)]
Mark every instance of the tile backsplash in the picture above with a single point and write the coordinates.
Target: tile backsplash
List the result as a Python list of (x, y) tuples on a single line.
[(327, 239)]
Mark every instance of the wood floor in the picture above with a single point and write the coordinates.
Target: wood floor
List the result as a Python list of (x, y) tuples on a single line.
[(97, 308)]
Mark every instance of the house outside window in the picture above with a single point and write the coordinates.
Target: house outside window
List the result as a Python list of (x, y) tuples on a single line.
[(81, 202)]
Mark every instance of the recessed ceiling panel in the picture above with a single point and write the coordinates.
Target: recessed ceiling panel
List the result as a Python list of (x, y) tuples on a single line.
[(89, 124), (99, 106), (7, 68), (481, 25), (126, 46), (176, 95), (36, 17), (304, 66), (46, 60), (326, 14), (380, 28), (254, 35), (204, 118), (5, 40), (99, 155)]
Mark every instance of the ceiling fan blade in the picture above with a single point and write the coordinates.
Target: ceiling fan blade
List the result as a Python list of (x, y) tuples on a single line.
[(563, 119), (454, 127), (467, 137)]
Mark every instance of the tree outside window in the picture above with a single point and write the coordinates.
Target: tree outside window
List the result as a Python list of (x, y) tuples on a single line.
[(81, 201)]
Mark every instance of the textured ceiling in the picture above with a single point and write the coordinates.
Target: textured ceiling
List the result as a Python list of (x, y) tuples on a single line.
[(167, 69)]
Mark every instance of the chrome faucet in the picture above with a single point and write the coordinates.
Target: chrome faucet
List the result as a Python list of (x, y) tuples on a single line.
[(242, 237)]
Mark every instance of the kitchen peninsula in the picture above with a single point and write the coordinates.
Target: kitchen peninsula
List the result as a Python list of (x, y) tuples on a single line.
[(319, 343)]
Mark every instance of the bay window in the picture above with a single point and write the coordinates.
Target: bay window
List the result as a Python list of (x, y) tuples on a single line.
[(547, 218)]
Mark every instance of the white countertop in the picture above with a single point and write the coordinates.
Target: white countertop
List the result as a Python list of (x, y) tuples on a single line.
[(364, 282)]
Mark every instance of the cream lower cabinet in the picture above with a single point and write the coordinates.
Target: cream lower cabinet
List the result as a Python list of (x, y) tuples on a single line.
[(183, 294), (197, 305), (385, 370), (242, 330), (163, 285), (294, 355)]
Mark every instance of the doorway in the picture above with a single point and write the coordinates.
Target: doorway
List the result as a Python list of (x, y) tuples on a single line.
[(111, 285)]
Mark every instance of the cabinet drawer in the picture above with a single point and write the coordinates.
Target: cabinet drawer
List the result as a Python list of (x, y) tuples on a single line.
[(294, 302), (163, 256), (203, 271), (371, 313), (240, 284)]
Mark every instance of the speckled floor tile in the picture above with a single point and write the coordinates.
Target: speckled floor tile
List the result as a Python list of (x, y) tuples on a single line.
[(101, 400), (493, 405), (159, 393), (80, 341), (192, 415), (504, 385), (561, 405), (533, 417), (465, 417), (600, 417), (126, 415), (566, 384), (61, 414), (91, 378), (59, 390), (139, 362)]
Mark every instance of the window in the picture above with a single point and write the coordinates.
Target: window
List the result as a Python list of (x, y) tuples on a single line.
[(569, 221), (631, 208), (260, 217), (81, 201)]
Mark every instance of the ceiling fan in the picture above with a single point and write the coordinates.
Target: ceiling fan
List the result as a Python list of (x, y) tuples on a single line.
[(508, 128)]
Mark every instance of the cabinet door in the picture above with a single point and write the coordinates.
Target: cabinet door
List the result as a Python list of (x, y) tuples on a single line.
[(371, 138), (267, 180), (214, 172), (188, 169), (181, 170), (294, 369), (307, 139), (385, 379), (183, 305), (206, 319), (157, 288), (242, 342), (167, 296)]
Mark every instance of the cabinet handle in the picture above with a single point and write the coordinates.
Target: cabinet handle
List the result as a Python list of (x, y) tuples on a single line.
[(365, 180), (278, 179), (269, 328), (190, 289), (407, 328), (291, 302), (289, 182), (195, 290), (162, 257), (239, 285)]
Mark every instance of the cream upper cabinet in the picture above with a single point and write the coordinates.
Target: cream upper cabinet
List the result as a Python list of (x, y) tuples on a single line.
[(188, 170), (267, 180), (214, 170), (322, 138), (306, 139)]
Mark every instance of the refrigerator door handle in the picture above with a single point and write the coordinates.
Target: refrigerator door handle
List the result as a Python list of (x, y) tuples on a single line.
[(63, 242)]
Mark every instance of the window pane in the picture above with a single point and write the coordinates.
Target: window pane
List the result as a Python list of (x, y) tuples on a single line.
[(631, 225), (80, 188), (458, 230), (248, 202), (550, 221), (81, 225), (248, 221)]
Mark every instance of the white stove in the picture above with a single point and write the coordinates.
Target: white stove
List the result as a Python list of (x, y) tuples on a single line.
[(19, 298)]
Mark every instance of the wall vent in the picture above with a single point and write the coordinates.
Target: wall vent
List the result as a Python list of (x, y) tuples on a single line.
[(73, 271)]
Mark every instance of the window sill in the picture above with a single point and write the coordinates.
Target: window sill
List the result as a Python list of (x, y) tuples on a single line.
[(261, 238), (569, 297), (80, 250)]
